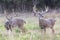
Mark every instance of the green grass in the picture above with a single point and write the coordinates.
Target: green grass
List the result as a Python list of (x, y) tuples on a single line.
[(32, 33)]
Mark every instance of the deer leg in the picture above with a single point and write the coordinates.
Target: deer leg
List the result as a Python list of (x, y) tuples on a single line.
[(41, 31), (7, 28), (22, 28), (52, 30), (44, 30), (10, 27)]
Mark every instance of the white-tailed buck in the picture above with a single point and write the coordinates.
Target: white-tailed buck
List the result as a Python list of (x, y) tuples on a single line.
[(14, 23), (46, 23)]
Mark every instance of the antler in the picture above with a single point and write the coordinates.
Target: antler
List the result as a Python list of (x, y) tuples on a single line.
[(46, 10), (8, 16), (40, 13)]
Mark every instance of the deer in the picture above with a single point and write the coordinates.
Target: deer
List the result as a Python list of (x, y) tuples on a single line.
[(14, 22), (46, 23)]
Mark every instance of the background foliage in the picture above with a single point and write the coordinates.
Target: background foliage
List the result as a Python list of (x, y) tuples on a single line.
[(27, 5)]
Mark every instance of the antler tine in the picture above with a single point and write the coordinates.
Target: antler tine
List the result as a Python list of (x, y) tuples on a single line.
[(6, 15), (7, 18), (46, 10)]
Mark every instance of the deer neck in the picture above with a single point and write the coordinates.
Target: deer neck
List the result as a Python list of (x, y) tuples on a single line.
[(40, 17)]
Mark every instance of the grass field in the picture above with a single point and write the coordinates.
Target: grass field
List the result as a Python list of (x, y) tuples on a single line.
[(32, 30)]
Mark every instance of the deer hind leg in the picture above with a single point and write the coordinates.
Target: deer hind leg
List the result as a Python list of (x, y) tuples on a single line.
[(22, 28), (7, 27)]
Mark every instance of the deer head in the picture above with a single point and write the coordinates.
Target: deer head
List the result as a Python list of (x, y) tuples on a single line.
[(8, 17), (41, 13)]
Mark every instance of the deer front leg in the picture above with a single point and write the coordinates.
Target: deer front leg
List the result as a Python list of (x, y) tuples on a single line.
[(53, 31), (43, 29), (43, 32), (10, 27)]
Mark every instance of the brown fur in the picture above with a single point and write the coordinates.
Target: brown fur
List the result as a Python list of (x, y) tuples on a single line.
[(14, 23), (46, 23)]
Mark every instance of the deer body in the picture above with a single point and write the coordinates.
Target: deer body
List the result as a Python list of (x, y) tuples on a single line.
[(46, 23), (14, 23)]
